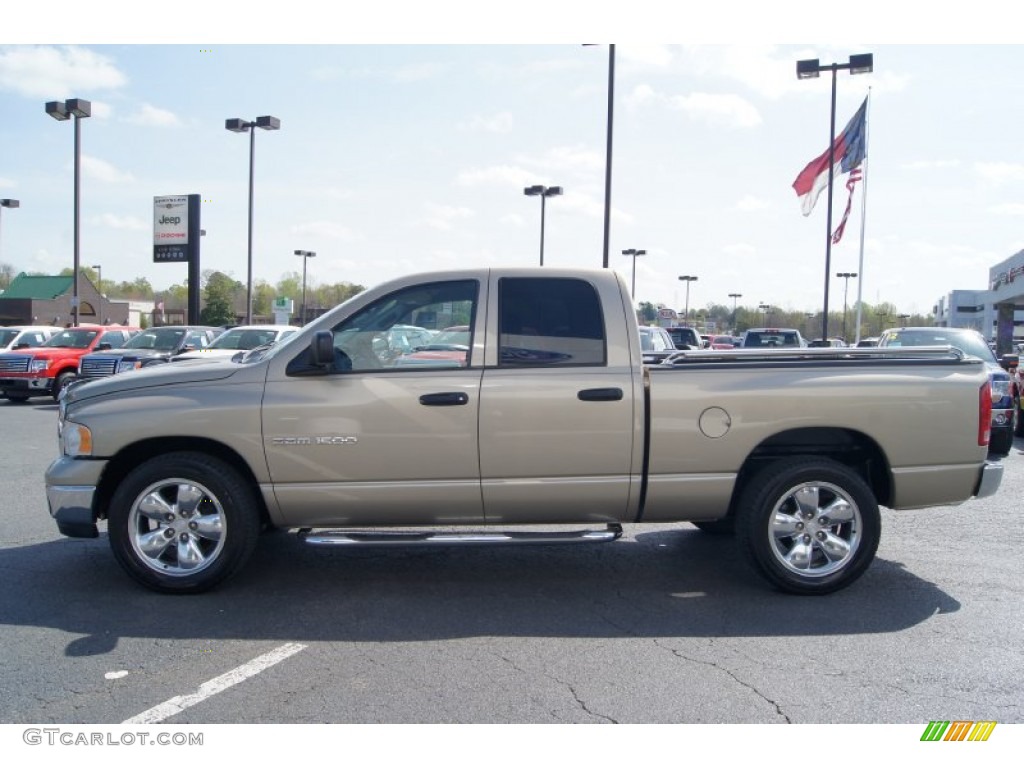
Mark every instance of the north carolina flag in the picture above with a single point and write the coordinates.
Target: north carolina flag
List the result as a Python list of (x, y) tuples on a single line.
[(849, 150)]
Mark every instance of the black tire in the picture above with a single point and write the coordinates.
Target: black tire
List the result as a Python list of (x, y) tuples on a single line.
[(17, 398), (725, 526), (60, 382), (214, 510), (810, 526), (1018, 425)]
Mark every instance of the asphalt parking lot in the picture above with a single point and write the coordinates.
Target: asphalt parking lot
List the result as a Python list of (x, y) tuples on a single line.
[(664, 626)]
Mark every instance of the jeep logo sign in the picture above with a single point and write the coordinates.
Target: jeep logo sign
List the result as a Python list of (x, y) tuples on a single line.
[(170, 228)]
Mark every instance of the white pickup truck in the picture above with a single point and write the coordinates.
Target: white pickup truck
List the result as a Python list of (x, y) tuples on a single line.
[(546, 416)]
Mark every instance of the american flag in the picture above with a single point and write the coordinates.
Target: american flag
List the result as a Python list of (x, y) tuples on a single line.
[(855, 176)]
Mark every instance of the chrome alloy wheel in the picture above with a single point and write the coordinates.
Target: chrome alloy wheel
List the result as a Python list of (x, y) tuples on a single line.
[(815, 529), (176, 527)]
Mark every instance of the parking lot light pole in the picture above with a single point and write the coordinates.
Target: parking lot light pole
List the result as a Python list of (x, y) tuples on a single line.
[(686, 312), (846, 284), (306, 256), (764, 313), (65, 110), (810, 68), (734, 296), (539, 190), (634, 252), (236, 125)]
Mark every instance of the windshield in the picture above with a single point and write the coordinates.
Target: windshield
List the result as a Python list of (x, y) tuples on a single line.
[(7, 335), (969, 341), (72, 338), (245, 338), (162, 339)]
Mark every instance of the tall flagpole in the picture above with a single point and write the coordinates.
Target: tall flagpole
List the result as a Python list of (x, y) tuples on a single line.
[(863, 213)]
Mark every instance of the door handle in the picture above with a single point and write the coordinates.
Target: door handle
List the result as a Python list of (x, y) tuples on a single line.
[(445, 398), (603, 394)]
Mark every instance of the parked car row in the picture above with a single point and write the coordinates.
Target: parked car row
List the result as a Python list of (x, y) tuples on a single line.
[(42, 361)]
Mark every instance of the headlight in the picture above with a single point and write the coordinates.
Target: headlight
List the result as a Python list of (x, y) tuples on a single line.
[(128, 365), (38, 365), (76, 439)]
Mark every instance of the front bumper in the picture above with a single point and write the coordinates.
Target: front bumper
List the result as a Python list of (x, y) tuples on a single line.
[(71, 495), (989, 479), (26, 386)]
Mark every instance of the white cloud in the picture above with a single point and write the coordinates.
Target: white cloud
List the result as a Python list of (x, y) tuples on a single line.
[(149, 115), (442, 217), (7, 183), (499, 123), (1009, 209), (328, 229), (1000, 172), (930, 165), (51, 72), (751, 203), (715, 108), (101, 170), (113, 221), (415, 73), (739, 249), (505, 175), (718, 108)]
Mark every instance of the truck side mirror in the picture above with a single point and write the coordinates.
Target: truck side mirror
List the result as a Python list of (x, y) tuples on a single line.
[(1010, 361), (321, 349)]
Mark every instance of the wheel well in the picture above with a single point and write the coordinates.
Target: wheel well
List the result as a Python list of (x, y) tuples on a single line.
[(849, 447), (133, 455)]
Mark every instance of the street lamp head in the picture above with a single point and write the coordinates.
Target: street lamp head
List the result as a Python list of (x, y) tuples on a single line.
[(306, 254), (552, 191), (79, 107), (57, 110), (688, 278), (807, 69), (8, 203), (237, 125), (862, 63), (536, 189), (268, 123)]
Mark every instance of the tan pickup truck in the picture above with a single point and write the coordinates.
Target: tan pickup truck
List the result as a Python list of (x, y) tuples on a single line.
[(535, 409)]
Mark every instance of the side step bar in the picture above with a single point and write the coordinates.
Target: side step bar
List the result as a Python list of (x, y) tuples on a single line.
[(450, 538)]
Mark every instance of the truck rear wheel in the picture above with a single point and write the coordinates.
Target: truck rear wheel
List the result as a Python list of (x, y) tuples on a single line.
[(810, 526), (183, 522)]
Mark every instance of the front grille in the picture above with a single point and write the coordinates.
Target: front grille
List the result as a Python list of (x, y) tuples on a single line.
[(95, 367), (14, 363)]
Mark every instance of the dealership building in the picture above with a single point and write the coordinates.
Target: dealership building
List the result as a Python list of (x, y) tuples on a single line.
[(998, 312)]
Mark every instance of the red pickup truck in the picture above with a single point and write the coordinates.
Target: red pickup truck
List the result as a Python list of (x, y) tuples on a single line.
[(46, 369)]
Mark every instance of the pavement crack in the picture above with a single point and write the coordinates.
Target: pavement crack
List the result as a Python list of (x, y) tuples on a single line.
[(730, 673)]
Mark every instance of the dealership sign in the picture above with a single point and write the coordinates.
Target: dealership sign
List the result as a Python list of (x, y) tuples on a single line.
[(170, 228)]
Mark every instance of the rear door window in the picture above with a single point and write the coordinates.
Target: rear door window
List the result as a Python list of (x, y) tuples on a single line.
[(549, 322)]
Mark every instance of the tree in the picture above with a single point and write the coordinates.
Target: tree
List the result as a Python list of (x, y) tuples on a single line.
[(6, 276), (218, 294), (648, 312)]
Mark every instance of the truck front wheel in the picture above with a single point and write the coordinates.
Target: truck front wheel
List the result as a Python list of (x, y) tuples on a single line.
[(810, 526), (183, 522)]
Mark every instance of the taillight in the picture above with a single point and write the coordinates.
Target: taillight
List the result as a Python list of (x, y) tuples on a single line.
[(984, 413)]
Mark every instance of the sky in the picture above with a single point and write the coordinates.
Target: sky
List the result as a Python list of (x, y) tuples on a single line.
[(406, 142)]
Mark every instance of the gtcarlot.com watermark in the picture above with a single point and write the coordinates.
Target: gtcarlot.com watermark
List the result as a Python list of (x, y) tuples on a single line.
[(71, 738)]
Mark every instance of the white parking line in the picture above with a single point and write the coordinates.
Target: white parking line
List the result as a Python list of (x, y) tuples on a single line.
[(178, 704)]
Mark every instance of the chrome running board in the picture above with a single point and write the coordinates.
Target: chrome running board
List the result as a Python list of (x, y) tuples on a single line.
[(451, 538)]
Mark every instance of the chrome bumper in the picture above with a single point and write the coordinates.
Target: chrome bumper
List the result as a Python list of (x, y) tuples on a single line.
[(988, 482), (71, 507)]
